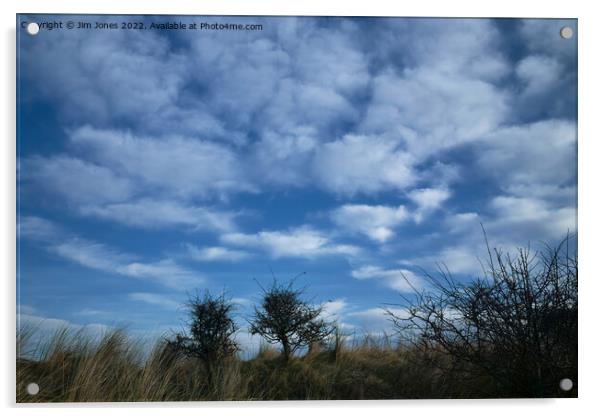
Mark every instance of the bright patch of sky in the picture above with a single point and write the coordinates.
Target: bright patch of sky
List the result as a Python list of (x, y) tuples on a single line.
[(358, 151)]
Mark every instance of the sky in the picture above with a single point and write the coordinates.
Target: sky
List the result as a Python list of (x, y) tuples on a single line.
[(154, 164)]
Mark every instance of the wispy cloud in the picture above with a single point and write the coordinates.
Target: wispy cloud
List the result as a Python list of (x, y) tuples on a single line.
[(155, 299), (75, 180), (401, 279), (157, 214), (296, 242), (99, 256), (90, 254), (91, 312), (38, 229), (216, 253), (166, 272)]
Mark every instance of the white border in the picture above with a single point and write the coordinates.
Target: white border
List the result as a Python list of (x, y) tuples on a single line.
[(463, 8), (590, 206)]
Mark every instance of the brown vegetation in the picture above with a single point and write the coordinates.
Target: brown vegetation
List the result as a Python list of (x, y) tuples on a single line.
[(73, 369)]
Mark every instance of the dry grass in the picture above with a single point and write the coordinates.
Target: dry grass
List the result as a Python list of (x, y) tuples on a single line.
[(72, 367)]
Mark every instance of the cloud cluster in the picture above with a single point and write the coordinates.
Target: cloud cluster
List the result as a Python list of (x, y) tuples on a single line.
[(301, 104), (379, 222), (381, 120)]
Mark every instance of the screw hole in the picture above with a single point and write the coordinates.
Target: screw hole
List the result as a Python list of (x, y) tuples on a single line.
[(566, 32), (566, 384), (32, 28), (32, 389)]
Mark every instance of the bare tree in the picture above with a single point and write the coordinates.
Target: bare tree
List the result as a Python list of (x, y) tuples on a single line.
[(211, 331), (285, 318), (517, 325)]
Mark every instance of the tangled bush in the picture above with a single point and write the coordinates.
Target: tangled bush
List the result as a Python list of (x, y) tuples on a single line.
[(517, 326)]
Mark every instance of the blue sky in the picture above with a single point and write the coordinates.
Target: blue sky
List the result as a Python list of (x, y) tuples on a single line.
[(156, 163)]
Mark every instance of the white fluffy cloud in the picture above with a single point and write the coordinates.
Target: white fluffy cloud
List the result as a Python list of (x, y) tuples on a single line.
[(297, 242), (463, 46), (445, 96), (539, 72), (528, 159), (462, 222), (462, 260), (428, 200), (287, 154), (418, 107), (524, 217), (459, 259), (375, 221), (336, 311), (378, 222), (363, 164), (334, 308)]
